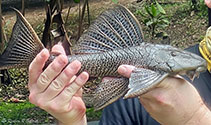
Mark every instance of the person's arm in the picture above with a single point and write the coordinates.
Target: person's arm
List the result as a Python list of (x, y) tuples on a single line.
[(174, 101), (58, 90), (208, 3)]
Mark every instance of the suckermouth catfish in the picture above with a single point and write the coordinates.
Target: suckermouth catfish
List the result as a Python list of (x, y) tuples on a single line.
[(115, 38)]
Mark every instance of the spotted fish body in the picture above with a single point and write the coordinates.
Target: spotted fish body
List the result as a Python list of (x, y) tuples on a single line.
[(106, 63), (115, 38)]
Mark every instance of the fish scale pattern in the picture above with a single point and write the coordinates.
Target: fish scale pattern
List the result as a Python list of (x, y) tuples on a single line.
[(107, 63)]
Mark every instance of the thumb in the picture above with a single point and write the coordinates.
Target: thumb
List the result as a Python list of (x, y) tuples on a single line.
[(125, 70)]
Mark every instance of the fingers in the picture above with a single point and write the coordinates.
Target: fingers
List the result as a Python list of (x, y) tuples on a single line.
[(125, 70), (57, 89), (50, 73), (58, 49), (58, 84), (51, 82), (168, 85), (37, 65), (67, 94), (65, 100)]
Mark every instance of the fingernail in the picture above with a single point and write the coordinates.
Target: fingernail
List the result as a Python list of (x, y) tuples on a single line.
[(82, 78), (122, 70), (44, 52), (75, 65)]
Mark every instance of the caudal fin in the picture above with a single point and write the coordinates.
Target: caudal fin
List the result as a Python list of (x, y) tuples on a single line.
[(23, 46)]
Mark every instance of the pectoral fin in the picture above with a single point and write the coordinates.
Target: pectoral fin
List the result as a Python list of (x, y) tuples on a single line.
[(142, 80), (107, 92)]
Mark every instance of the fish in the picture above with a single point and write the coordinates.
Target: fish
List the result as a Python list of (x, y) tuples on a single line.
[(113, 39)]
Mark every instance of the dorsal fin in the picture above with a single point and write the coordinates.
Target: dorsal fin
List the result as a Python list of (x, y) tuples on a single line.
[(23, 46), (115, 28)]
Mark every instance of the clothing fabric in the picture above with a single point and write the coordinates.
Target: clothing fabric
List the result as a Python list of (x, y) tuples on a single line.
[(205, 48), (131, 112)]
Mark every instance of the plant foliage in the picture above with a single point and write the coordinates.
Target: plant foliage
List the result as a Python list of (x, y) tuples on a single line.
[(199, 7), (23, 113), (154, 17), (115, 1), (76, 1)]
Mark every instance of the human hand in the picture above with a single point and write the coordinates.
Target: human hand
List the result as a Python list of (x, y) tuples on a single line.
[(208, 3), (174, 101), (57, 89)]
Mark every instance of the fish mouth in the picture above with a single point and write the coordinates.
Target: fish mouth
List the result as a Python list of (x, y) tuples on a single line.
[(194, 73)]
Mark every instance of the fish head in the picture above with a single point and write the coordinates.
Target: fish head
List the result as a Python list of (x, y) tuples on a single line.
[(177, 61)]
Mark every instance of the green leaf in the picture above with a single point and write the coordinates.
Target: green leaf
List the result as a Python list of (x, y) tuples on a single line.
[(148, 11), (163, 17), (145, 21), (140, 13), (149, 23), (115, 1), (162, 25), (153, 10), (165, 21), (160, 8), (76, 1)]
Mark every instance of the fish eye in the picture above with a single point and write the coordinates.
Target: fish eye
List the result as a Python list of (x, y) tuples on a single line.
[(173, 53)]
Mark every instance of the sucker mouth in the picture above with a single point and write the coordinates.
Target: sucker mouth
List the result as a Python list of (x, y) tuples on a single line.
[(192, 74), (201, 69), (195, 73)]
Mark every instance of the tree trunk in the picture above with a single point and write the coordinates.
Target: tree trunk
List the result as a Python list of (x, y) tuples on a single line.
[(67, 16), (23, 7), (81, 17), (88, 12), (46, 32), (2, 44), (1, 41)]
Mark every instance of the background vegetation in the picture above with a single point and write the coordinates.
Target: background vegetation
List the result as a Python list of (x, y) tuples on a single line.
[(180, 23)]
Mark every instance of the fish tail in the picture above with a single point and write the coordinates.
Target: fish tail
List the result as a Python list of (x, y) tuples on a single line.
[(23, 46)]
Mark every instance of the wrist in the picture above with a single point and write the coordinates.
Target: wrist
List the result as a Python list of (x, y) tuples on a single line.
[(82, 121), (200, 117)]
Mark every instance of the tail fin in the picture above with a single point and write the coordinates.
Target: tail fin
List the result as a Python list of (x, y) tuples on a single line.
[(23, 46)]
